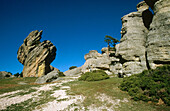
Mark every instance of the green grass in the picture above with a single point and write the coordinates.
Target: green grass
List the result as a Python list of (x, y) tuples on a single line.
[(109, 87), (12, 84)]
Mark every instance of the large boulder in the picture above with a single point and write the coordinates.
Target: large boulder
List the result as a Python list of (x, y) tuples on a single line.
[(4, 74), (158, 40), (36, 56), (92, 54), (50, 77), (72, 72), (132, 44), (94, 61)]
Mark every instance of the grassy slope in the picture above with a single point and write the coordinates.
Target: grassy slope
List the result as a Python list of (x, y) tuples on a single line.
[(110, 88), (12, 84), (90, 90)]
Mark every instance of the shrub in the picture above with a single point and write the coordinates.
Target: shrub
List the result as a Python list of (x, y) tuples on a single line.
[(150, 85), (93, 76), (72, 67), (18, 74), (61, 74)]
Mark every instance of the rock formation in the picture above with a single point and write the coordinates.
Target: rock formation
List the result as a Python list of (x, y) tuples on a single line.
[(144, 44), (4, 74), (158, 38), (50, 77), (36, 56), (94, 61), (131, 49), (72, 72), (145, 41)]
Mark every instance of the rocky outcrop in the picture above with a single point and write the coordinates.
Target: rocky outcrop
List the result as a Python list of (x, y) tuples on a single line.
[(50, 77), (144, 44), (72, 72), (131, 49), (158, 38), (145, 41), (4, 74), (36, 56), (94, 61)]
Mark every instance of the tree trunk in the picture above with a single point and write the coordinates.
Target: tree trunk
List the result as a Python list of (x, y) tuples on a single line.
[(108, 49)]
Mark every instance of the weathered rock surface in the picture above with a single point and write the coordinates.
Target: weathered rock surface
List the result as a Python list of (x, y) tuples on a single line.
[(158, 40), (75, 71), (50, 77), (144, 44), (36, 56), (132, 44), (116, 68), (4, 74), (94, 61), (92, 54)]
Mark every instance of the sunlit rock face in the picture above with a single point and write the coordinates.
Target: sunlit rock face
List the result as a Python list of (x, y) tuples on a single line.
[(36, 56), (142, 6), (158, 38), (131, 49)]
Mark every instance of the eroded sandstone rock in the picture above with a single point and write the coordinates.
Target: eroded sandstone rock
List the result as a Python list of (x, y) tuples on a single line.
[(158, 40), (132, 44), (75, 71), (145, 42), (94, 61), (4, 74), (92, 54), (36, 56), (50, 77)]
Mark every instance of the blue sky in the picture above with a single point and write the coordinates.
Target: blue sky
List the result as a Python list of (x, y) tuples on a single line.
[(74, 26)]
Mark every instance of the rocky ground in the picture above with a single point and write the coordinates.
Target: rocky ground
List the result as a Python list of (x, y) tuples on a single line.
[(50, 97), (56, 90)]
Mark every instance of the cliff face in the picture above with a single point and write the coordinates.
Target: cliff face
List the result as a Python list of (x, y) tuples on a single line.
[(158, 38), (145, 41), (131, 49), (36, 56)]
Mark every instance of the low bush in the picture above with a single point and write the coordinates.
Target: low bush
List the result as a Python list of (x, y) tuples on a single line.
[(61, 74), (18, 74), (72, 67), (150, 85), (93, 76)]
